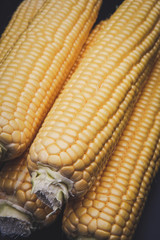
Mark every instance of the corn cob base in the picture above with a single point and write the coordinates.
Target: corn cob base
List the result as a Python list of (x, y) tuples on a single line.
[(21, 212), (14, 220), (3, 151), (51, 187)]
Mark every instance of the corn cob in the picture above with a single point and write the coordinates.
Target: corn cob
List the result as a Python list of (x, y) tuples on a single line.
[(18, 24), (86, 120), (112, 207), (34, 70), (21, 212)]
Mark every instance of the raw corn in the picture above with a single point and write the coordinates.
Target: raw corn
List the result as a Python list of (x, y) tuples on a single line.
[(88, 117), (35, 69), (18, 24), (91, 40), (113, 206), (21, 212)]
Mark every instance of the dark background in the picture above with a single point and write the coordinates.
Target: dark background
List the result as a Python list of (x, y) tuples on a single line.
[(149, 225)]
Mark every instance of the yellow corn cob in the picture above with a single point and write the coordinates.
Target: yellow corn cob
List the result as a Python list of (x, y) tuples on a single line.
[(21, 212), (85, 122), (112, 207), (34, 70), (91, 40), (18, 24)]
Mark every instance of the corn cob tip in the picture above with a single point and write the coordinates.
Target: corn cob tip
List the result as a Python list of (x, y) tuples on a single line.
[(14, 221), (3, 151), (51, 187)]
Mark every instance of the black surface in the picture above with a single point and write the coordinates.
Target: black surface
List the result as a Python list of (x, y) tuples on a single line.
[(149, 225)]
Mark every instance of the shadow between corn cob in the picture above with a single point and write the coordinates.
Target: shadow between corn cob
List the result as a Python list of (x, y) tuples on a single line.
[(34, 70), (88, 117), (113, 206)]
